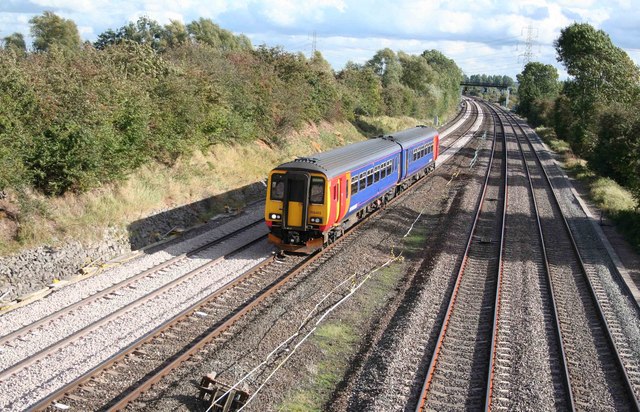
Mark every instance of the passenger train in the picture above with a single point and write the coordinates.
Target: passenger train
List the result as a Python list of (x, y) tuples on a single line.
[(311, 201)]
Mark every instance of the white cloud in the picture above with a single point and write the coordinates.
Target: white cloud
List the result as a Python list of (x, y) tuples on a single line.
[(289, 12), (455, 22)]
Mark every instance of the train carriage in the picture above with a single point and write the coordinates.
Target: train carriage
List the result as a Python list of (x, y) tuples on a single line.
[(313, 200)]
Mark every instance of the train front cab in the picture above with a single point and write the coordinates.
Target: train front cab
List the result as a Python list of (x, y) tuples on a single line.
[(300, 209)]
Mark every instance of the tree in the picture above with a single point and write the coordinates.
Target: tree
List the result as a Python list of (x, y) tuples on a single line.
[(207, 32), (602, 70), (362, 90), (602, 74), (50, 29), (538, 83), (16, 43), (175, 34), (416, 73), (144, 31), (385, 63), (447, 79)]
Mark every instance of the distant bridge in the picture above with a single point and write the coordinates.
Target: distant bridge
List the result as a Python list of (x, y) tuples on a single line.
[(477, 84), (485, 85)]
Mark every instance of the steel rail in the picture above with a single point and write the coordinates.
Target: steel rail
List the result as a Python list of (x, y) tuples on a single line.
[(543, 247), (497, 303), (452, 141)]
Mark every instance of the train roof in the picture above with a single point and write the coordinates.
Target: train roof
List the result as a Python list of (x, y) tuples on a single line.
[(412, 136), (343, 159)]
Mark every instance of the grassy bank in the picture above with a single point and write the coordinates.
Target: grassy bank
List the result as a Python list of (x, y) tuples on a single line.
[(614, 200), (36, 219)]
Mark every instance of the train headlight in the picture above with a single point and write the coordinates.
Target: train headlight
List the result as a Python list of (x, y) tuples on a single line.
[(316, 220), (275, 216)]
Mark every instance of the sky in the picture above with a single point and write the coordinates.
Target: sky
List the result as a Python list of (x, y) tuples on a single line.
[(482, 36)]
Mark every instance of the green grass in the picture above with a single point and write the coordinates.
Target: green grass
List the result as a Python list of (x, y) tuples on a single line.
[(335, 340), (610, 196), (549, 136)]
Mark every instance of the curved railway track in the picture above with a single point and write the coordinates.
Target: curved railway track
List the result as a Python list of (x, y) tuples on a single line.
[(457, 372), (448, 140), (591, 333), (550, 387), (474, 352)]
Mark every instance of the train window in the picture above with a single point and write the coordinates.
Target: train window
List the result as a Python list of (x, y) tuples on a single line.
[(376, 174), (383, 171), (316, 194), (389, 167), (370, 177), (296, 190), (363, 182), (277, 186), (422, 152), (354, 185)]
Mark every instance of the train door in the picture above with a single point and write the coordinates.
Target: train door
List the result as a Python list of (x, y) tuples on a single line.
[(296, 200), (336, 198), (405, 172), (343, 204)]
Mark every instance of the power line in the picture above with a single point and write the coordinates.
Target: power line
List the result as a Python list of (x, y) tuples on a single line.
[(532, 34)]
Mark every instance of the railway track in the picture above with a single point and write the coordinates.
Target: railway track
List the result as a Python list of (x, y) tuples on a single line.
[(591, 360), (37, 347), (304, 266), (117, 288), (528, 364), (144, 364), (458, 368), (99, 384), (597, 352), (384, 376), (449, 140)]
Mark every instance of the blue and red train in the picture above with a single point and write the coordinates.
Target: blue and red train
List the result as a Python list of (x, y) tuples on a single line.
[(311, 201)]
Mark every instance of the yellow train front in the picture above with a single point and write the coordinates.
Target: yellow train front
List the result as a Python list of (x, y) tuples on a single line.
[(298, 210)]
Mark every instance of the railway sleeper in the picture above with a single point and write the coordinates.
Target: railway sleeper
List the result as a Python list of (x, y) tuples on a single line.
[(219, 397)]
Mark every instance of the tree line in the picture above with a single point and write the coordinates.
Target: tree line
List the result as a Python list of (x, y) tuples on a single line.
[(597, 110), (75, 115)]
